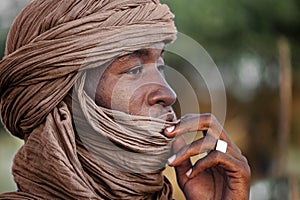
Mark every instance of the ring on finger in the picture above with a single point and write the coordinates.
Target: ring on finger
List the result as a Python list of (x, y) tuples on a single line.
[(221, 146)]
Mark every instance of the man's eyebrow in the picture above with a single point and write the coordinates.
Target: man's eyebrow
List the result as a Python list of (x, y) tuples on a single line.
[(145, 52), (138, 53), (141, 52)]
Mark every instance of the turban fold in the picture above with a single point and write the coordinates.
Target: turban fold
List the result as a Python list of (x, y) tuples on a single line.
[(51, 42)]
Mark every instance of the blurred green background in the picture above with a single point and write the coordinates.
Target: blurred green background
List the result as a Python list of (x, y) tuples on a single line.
[(255, 45)]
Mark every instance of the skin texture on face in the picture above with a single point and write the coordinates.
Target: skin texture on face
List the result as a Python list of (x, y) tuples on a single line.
[(134, 84)]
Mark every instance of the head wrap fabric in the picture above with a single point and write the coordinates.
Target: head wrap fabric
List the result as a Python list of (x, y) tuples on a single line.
[(55, 164), (51, 41)]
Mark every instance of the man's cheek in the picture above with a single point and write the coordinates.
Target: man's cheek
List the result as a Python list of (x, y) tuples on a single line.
[(138, 105), (120, 100)]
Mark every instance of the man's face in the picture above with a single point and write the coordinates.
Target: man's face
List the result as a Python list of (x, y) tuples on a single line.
[(134, 84)]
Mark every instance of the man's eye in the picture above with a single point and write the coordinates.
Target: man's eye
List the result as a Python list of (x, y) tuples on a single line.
[(135, 70)]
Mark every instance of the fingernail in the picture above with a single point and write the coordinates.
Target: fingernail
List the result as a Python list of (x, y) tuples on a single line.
[(171, 159), (188, 173), (170, 129)]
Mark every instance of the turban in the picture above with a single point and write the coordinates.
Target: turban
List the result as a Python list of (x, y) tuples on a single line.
[(49, 47), (52, 41)]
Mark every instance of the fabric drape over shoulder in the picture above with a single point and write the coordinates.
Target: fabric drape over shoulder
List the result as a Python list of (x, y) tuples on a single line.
[(49, 47)]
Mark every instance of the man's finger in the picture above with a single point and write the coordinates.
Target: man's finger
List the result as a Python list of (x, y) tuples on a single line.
[(231, 165), (197, 147), (189, 123), (184, 166), (200, 122)]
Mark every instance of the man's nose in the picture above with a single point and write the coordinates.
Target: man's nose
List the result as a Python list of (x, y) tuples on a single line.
[(160, 91)]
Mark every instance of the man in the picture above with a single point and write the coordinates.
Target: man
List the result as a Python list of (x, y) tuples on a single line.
[(82, 83)]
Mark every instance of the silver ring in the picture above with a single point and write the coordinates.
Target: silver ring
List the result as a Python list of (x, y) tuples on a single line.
[(221, 146)]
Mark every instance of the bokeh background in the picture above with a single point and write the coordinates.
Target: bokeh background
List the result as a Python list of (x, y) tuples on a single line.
[(256, 46)]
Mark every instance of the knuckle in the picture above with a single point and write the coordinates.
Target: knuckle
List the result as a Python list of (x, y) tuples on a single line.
[(239, 151), (213, 117), (210, 118), (207, 116), (246, 171), (244, 159), (215, 121), (215, 155)]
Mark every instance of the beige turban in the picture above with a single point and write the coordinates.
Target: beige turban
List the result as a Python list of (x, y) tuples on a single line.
[(51, 41), (50, 45)]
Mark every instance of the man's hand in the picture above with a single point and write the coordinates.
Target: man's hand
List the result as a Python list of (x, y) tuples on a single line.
[(216, 176)]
